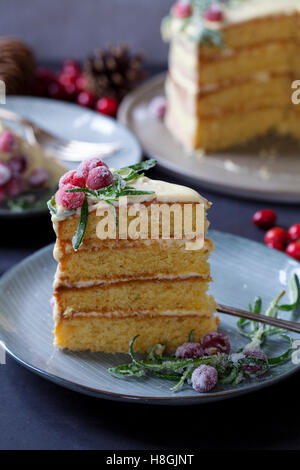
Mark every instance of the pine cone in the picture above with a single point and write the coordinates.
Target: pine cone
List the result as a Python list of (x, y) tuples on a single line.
[(113, 71), (17, 66)]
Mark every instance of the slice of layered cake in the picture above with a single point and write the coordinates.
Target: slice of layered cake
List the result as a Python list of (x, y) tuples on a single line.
[(113, 285), (231, 67)]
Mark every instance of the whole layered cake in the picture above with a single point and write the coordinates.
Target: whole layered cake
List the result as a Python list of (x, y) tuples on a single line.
[(231, 66), (109, 289)]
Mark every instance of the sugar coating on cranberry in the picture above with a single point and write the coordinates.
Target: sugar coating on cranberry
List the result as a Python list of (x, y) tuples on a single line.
[(74, 178), (157, 107), (7, 141), (14, 187), (89, 164), (257, 354), (38, 178), (5, 173), (18, 164), (99, 177), (204, 378), (215, 342), (189, 351), (182, 9), (69, 200), (214, 13)]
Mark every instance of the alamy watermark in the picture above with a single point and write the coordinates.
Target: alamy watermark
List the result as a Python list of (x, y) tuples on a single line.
[(185, 221), (296, 94)]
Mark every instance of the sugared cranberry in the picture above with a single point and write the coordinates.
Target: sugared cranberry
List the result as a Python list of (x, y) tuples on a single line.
[(14, 187), (189, 351), (2, 194), (86, 99), (294, 232), (157, 107), (5, 173), (99, 177), (74, 178), (276, 237), (182, 9), (7, 141), (204, 378), (258, 354), (71, 67), (265, 218), (69, 200), (18, 164), (88, 164), (38, 178), (107, 105), (214, 13), (293, 250), (215, 342)]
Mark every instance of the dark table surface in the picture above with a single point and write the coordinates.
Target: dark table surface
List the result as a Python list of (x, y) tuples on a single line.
[(36, 414)]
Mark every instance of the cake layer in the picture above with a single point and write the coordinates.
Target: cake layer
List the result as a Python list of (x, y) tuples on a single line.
[(113, 335), (264, 89), (120, 261), (65, 229), (130, 297)]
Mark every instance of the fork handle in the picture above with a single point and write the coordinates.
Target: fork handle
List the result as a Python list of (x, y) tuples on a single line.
[(237, 312)]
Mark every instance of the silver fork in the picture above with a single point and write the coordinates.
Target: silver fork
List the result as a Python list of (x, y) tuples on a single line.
[(68, 150)]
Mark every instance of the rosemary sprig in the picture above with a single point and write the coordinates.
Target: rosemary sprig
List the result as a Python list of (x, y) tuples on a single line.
[(232, 369), (77, 239)]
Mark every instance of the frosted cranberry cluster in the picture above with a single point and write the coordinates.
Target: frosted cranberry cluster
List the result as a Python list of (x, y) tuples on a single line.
[(92, 173), (12, 179)]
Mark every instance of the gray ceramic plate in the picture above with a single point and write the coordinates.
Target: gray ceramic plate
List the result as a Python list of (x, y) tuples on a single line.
[(265, 169), (75, 122), (241, 270)]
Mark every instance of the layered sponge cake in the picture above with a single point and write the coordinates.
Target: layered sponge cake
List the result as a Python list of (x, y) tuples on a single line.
[(231, 66), (108, 290)]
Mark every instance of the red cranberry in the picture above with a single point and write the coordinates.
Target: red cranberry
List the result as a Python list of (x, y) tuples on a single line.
[(276, 245), (213, 13), (44, 77), (71, 67), (69, 200), (7, 141), (68, 84), (294, 232), (264, 219), (189, 351), (293, 250), (55, 91), (86, 99), (14, 187), (276, 237), (214, 342), (99, 177), (204, 378), (88, 164), (108, 106), (256, 353), (81, 83), (158, 106), (74, 178), (182, 9), (38, 177), (18, 164), (5, 173), (2, 194)]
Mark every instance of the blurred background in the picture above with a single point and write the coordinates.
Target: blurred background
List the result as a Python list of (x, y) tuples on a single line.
[(58, 29)]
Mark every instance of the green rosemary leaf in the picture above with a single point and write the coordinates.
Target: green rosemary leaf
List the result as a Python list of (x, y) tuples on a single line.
[(77, 239), (294, 290), (284, 357), (155, 352), (114, 212), (127, 370), (191, 336), (142, 166), (134, 192), (211, 37), (174, 377), (119, 181), (182, 380), (87, 191), (52, 205)]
